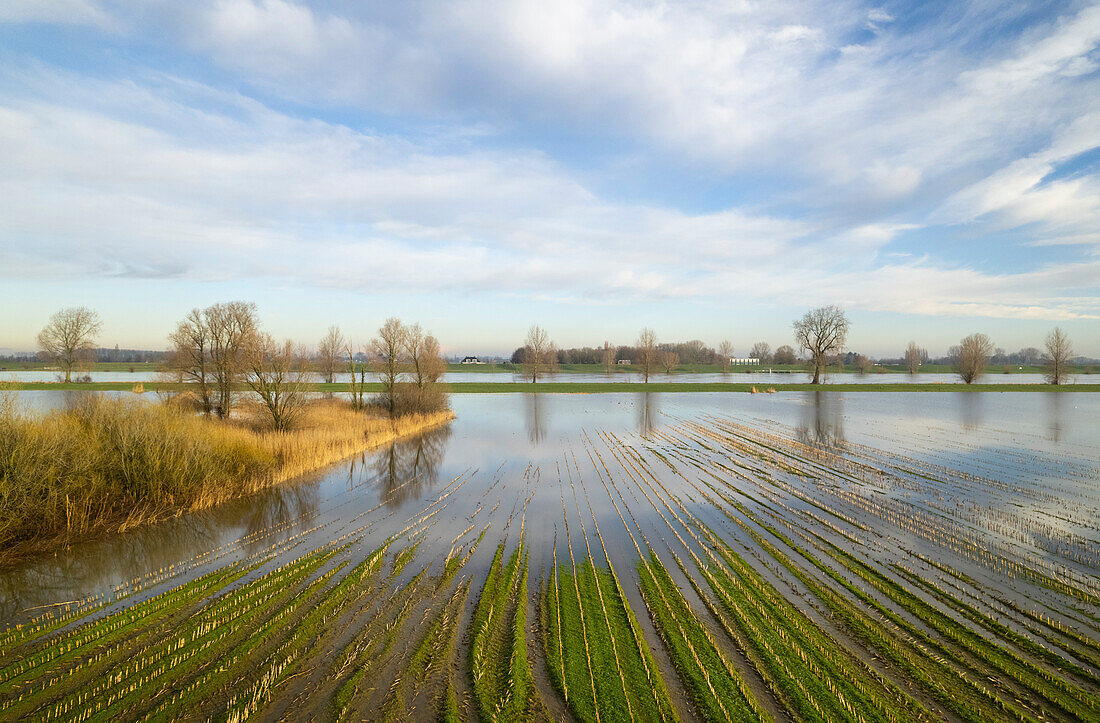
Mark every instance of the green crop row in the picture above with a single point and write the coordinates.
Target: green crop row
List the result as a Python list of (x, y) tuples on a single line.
[(896, 640), (716, 687), (499, 669), (592, 649), (429, 665), (95, 685)]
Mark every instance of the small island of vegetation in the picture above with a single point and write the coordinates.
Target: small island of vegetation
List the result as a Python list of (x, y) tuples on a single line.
[(246, 421)]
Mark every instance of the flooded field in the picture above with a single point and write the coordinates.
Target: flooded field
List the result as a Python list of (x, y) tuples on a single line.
[(796, 556)]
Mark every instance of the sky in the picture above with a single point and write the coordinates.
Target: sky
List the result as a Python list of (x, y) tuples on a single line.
[(708, 169)]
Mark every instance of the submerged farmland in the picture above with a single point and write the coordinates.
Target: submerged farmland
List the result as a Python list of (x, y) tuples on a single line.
[(607, 558)]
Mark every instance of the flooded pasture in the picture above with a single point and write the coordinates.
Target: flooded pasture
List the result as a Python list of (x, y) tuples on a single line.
[(828, 555)]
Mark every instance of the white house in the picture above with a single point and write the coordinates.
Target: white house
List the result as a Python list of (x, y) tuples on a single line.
[(744, 360), (471, 360)]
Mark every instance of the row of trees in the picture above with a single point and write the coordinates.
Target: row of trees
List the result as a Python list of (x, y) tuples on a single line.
[(972, 355), (540, 356), (668, 355), (221, 350), (821, 332), (221, 346)]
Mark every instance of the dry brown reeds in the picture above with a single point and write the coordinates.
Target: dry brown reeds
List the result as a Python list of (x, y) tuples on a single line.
[(110, 464)]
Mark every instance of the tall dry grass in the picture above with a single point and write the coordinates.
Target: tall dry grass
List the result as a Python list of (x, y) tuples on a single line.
[(110, 464)]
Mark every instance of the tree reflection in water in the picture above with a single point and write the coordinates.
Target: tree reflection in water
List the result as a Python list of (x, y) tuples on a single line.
[(410, 465), (1055, 410), (131, 554), (534, 417), (648, 412), (823, 421), (970, 409)]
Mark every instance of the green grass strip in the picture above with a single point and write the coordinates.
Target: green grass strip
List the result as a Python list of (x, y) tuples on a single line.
[(602, 387)]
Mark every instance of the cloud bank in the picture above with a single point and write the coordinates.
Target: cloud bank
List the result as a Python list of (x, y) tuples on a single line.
[(845, 153)]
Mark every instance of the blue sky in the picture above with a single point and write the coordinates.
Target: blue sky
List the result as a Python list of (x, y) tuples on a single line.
[(710, 169)]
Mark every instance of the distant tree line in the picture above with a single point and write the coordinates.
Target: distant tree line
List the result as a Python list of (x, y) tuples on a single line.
[(694, 352), (220, 348), (822, 333)]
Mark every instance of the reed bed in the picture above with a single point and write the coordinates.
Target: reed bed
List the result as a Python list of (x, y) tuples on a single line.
[(109, 464)]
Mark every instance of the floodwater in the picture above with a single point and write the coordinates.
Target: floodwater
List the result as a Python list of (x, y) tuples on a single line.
[(541, 458), (761, 377)]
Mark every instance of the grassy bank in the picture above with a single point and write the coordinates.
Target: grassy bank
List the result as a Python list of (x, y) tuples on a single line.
[(109, 464), (547, 387), (617, 371), (848, 369)]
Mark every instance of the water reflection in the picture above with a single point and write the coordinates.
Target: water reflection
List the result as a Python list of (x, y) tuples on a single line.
[(410, 465), (648, 412), (283, 506), (486, 432), (970, 410), (76, 398), (822, 421), (1055, 412), (534, 417), (71, 572)]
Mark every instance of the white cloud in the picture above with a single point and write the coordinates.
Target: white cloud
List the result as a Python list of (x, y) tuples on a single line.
[(862, 131), (52, 11), (1065, 210), (108, 184), (742, 88)]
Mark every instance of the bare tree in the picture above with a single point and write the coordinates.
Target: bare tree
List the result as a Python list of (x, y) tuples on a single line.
[(970, 357), (190, 356), (538, 352), (389, 349), (725, 354), (863, 363), (821, 332), (357, 366), (669, 360), (608, 356), (277, 374), (647, 351), (761, 351), (1059, 351), (70, 337), (426, 366), (693, 352), (1030, 356), (231, 327), (329, 353), (913, 357), (784, 355)]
